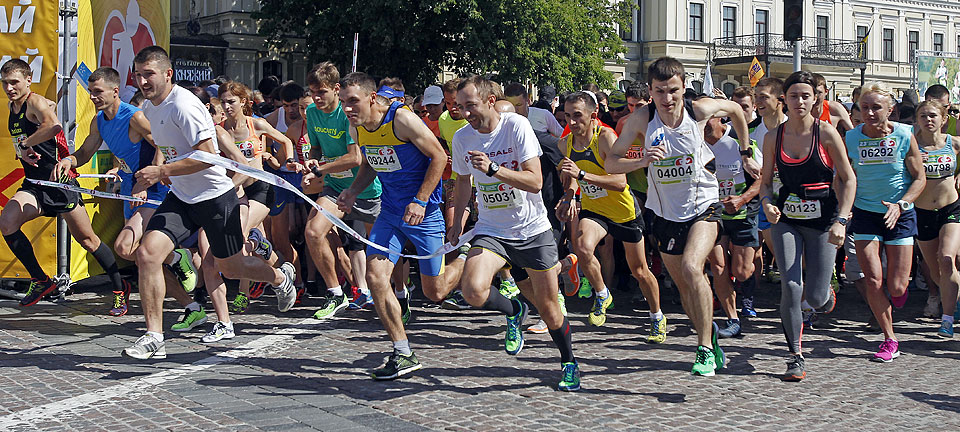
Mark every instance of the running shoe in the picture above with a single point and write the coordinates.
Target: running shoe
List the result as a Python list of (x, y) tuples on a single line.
[(809, 318), (795, 369), (732, 329), (301, 291), (748, 310), (146, 347), (262, 247), (571, 283), (539, 328), (37, 290), (772, 275), (256, 289), (586, 290), (397, 365), (405, 313), (190, 320), (956, 312), (509, 289), (719, 360), (286, 293), (363, 300), (220, 331), (932, 309), (455, 301), (946, 329), (563, 303), (899, 301), (184, 270), (658, 331), (834, 283), (239, 304), (889, 350), (513, 341), (120, 299), (598, 313), (331, 305), (570, 379), (704, 365), (831, 303)]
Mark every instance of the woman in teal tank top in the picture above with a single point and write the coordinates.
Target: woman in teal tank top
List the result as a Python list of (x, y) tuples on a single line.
[(938, 208), (890, 177)]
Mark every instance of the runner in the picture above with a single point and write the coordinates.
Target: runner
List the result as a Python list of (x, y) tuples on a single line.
[(408, 160), (809, 216), (501, 152), (608, 207), (830, 111), (890, 177), (334, 161), (938, 207), (126, 132), (39, 144), (734, 255), (202, 197), (941, 95), (683, 193)]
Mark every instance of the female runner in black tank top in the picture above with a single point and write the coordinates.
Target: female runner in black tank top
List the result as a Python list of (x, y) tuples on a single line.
[(805, 218)]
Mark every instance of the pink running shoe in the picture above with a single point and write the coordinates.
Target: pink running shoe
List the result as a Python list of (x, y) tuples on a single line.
[(898, 302), (889, 350)]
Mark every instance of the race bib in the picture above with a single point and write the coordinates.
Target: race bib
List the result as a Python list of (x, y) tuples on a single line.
[(382, 158), (499, 195), (729, 187), (248, 148), (124, 167), (939, 166), (798, 209), (635, 151), (591, 191), (17, 141), (168, 152), (878, 151), (337, 175), (678, 169)]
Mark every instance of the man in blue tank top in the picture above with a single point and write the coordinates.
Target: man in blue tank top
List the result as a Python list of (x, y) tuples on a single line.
[(126, 132)]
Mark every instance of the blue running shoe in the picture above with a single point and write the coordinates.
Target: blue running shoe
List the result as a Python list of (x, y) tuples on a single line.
[(748, 310), (513, 341), (362, 300), (946, 329)]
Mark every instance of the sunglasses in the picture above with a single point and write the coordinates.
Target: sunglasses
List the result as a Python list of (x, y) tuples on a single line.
[(953, 112)]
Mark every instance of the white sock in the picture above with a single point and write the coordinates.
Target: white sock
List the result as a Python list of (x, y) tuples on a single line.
[(804, 305), (656, 316), (604, 293), (403, 347), (337, 291), (947, 318), (194, 306), (402, 294), (229, 324), (157, 336), (174, 257)]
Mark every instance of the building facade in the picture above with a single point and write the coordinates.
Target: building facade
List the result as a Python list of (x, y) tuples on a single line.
[(697, 31), (219, 37)]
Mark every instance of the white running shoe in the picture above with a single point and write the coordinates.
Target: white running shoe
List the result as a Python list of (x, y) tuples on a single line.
[(286, 292), (220, 331), (146, 347)]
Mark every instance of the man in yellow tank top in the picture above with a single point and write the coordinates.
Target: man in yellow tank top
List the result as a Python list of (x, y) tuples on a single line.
[(608, 206)]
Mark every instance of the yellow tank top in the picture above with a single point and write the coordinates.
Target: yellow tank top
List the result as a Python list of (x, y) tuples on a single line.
[(618, 206)]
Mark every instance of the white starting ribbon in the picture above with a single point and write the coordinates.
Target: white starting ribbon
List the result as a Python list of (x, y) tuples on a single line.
[(100, 176), (212, 159), (92, 192)]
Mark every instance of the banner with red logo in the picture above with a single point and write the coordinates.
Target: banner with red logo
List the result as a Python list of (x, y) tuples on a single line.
[(28, 31)]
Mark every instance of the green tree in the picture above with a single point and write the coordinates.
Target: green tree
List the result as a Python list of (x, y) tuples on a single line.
[(559, 42)]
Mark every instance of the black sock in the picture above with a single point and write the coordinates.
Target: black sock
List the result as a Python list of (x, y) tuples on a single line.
[(108, 262), (747, 287), (23, 250), (497, 302), (561, 337)]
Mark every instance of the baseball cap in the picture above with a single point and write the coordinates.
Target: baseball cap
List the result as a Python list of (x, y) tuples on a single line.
[(389, 92), (432, 95), (616, 100)]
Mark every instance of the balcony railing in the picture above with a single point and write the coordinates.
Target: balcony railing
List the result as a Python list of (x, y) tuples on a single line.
[(734, 49)]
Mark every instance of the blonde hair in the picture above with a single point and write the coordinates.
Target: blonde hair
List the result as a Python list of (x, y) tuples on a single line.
[(879, 88)]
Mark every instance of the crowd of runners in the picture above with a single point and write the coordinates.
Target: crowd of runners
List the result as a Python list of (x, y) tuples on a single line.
[(501, 203)]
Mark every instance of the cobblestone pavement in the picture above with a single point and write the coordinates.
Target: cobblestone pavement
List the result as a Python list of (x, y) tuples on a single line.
[(62, 371)]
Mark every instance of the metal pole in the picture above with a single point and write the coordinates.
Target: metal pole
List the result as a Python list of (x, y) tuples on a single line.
[(863, 72), (67, 12), (796, 56)]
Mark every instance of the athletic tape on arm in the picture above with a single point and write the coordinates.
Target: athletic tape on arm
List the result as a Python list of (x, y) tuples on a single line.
[(91, 192), (232, 165)]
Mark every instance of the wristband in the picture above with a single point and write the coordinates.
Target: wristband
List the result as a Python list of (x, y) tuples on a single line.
[(419, 202), (581, 175), (290, 160), (316, 171)]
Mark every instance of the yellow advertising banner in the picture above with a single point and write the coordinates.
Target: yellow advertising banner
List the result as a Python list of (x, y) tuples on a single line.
[(28, 31), (110, 33), (755, 73)]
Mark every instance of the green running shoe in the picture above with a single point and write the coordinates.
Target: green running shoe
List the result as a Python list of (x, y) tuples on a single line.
[(598, 313), (184, 270), (405, 313), (834, 283), (397, 366), (563, 303), (586, 290), (704, 364), (513, 341), (190, 320), (509, 289), (240, 304), (331, 306), (718, 357), (570, 380)]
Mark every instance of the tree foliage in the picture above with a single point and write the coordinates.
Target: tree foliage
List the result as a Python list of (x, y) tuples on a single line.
[(559, 42)]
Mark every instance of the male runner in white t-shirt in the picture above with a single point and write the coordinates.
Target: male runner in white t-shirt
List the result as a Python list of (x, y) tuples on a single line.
[(203, 196)]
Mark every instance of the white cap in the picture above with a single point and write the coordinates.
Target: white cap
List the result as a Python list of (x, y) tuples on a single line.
[(432, 95)]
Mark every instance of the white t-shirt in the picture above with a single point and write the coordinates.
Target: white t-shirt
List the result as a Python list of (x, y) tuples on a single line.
[(505, 212), (177, 124), (544, 121)]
